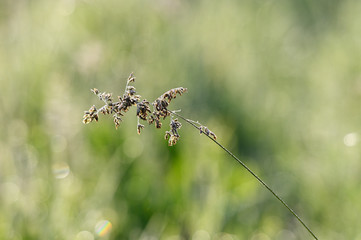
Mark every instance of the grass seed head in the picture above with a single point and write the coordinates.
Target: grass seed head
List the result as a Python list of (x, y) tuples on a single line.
[(129, 99)]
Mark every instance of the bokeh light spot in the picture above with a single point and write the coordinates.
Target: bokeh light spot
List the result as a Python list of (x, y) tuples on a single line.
[(350, 139), (103, 227), (61, 170)]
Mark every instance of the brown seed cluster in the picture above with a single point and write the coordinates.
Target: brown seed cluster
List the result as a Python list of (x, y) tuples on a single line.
[(143, 109), (206, 131), (173, 136), (139, 127), (90, 115), (160, 105), (117, 108), (129, 99)]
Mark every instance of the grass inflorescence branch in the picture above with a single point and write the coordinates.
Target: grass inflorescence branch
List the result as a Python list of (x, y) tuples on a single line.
[(160, 112)]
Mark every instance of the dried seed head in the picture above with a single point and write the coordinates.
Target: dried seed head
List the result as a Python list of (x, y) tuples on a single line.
[(117, 119), (139, 127), (129, 99), (106, 97), (90, 115), (131, 90), (205, 130), (173, 136), (213, 135), (172, 140), (131, 78), (169, 95), (175, 125), (160, 105), (167, 135), (158, 124), (143, 109), (95, 91)]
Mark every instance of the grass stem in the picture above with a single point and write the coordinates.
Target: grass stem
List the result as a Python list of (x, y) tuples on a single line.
[(191, 122)]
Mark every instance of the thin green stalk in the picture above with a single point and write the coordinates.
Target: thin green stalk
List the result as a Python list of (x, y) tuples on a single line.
[(248, 169)]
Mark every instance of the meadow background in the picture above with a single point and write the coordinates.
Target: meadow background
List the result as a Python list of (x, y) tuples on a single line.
[(279, 82)]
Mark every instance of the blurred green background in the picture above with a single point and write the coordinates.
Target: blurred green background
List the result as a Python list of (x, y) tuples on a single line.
[(279, 82)]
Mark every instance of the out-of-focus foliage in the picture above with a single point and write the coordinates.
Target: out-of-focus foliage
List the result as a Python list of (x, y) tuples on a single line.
[(279, 82)]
